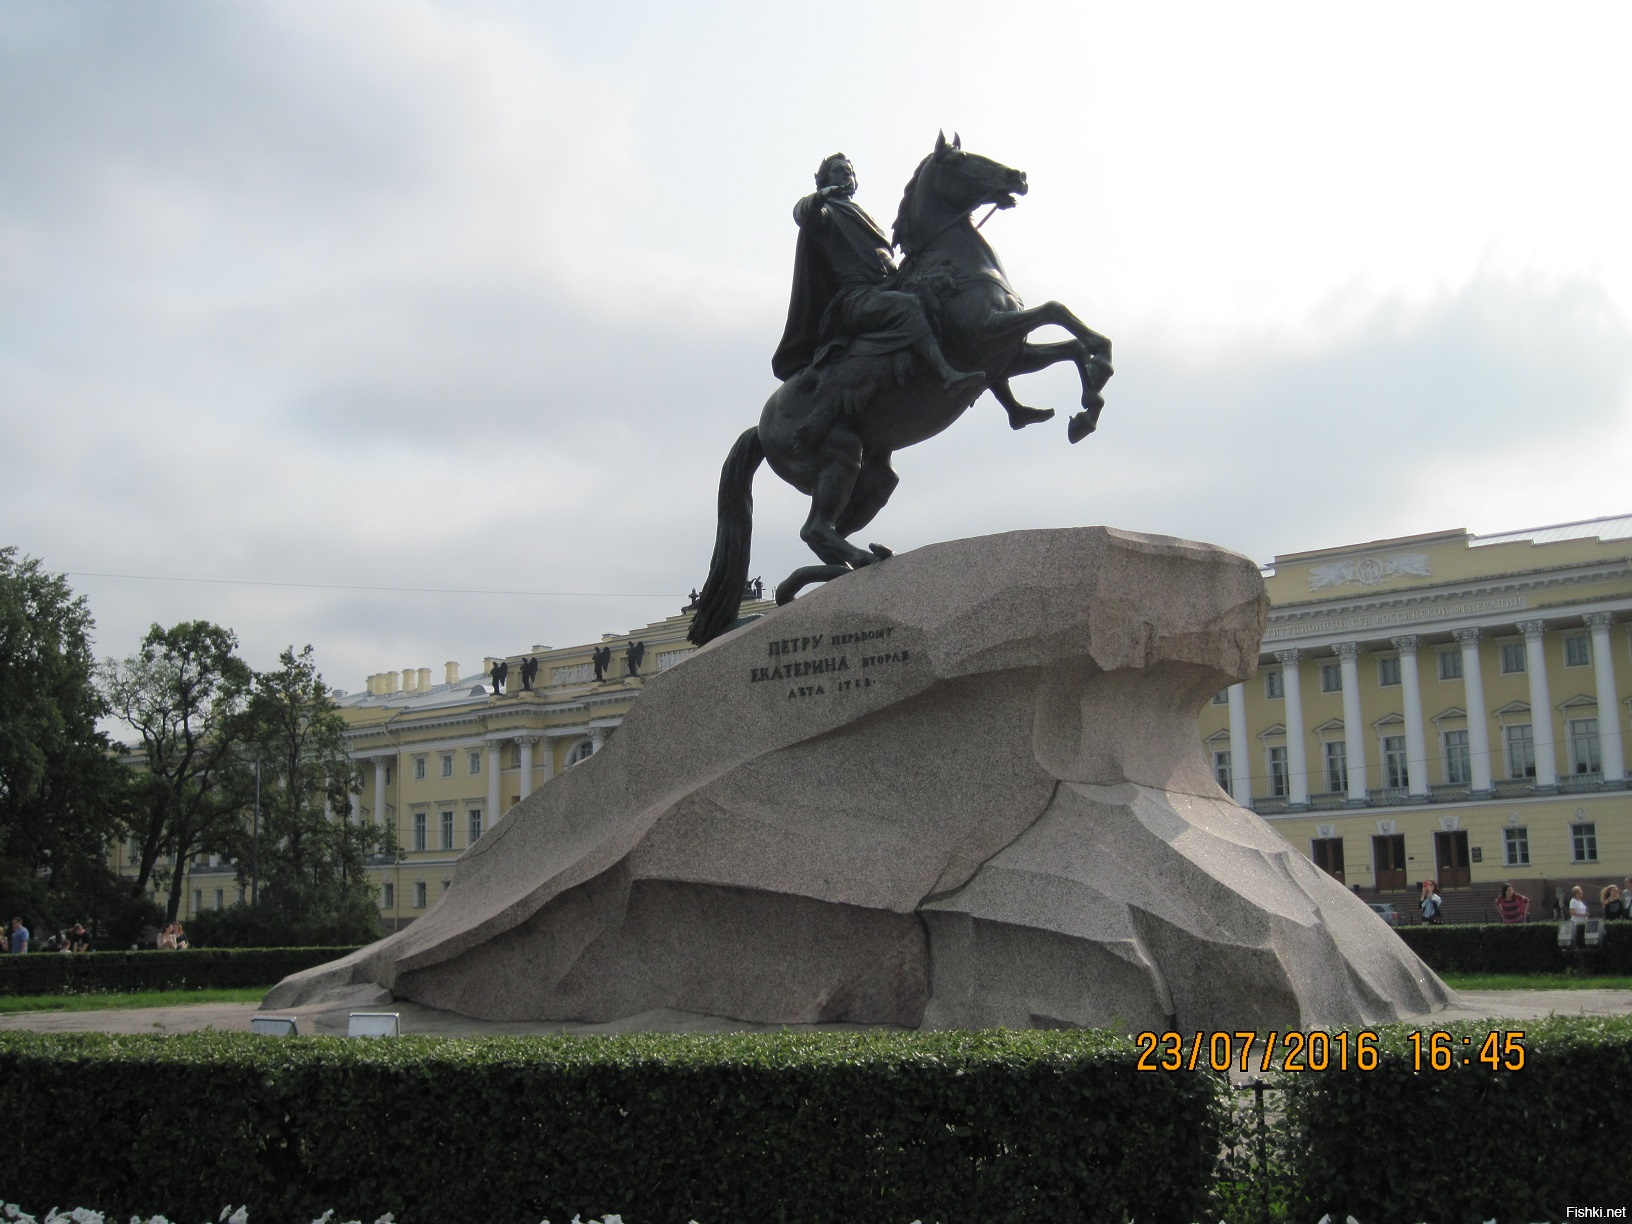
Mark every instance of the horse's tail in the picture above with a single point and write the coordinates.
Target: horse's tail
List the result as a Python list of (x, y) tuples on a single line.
[(718, 605)]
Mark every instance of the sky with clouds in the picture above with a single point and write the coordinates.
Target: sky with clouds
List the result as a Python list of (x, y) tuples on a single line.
[(469, 300)]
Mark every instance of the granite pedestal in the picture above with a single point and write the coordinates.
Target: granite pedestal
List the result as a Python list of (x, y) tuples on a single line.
[(960, 788)]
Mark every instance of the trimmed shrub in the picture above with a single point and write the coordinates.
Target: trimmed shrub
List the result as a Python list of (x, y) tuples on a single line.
[(1521, 948), (796, 1127), (122, 972), (1467, 1143)]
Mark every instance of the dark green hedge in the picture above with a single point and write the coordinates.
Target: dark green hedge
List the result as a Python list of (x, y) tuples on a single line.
[(858, 1128), (1467, 1144), (1522, 948), (118, 972)]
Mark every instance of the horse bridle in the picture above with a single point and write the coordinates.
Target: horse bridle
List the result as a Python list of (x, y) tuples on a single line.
[(934, 238)]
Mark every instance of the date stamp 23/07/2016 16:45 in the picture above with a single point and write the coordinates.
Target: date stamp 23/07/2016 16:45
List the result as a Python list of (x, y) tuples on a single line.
[(1496, 1050)]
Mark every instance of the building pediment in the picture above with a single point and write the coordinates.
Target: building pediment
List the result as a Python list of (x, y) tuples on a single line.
[(1450, 714)]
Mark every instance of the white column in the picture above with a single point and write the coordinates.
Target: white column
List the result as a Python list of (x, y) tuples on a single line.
[(379, 789), (1416, 744), (1354, 737), (495, 763), (1610, 750), (355, 795), (1541, 705), (1297, 758), (1473, 689), (526, 742), (1240, 758), (597, 739), (546, 758)]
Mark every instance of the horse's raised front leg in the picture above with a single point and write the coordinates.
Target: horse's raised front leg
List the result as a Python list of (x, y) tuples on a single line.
[(1089, 350)]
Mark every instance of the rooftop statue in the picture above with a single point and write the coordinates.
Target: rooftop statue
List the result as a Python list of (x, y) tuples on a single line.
[(878, 355)]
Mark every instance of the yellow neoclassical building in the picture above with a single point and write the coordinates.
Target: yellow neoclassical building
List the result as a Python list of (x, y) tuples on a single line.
[(1445, 706)]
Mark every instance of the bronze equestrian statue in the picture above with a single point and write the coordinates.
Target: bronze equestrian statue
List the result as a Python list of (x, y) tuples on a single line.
[(878, 356)]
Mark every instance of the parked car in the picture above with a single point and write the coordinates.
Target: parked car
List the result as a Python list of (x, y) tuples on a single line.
[(1386, 911)]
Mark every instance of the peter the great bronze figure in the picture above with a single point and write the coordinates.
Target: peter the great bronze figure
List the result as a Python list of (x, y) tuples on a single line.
[(878, 356)]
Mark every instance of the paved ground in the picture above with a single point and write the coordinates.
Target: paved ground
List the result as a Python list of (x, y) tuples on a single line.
[(1470, 1005)]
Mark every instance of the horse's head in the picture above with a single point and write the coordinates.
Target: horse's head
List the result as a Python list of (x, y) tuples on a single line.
[(953, 183)]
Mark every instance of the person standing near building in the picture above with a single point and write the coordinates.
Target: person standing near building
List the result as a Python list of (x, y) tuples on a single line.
[(1512, 906), (1613, 903), (1578, 906), (1430, 903), (17, 940)]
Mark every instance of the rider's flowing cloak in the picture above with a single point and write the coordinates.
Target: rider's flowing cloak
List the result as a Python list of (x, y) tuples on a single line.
[(816, 282)]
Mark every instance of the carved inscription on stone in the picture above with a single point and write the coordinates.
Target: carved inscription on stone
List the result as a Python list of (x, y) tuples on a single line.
[(824, 663)]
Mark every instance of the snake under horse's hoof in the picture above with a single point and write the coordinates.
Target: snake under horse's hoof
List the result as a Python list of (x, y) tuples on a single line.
[(807, 574)]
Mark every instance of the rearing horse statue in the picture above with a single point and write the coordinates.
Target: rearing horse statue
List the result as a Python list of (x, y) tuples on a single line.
[(845, 470)]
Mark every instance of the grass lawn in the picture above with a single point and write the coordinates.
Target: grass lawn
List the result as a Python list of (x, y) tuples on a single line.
[(148, 998), (1534, 981)]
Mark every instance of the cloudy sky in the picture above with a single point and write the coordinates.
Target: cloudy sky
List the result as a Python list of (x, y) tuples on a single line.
[(420, 329)]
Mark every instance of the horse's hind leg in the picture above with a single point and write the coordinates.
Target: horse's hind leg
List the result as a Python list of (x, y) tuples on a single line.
[(874, 484), (839, 464)]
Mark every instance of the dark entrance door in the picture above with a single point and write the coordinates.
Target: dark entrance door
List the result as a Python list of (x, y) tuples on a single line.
[(1388, 853), (1328, 855), (1451, 859)]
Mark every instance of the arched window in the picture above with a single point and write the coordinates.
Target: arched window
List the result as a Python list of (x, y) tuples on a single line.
[(580, 752)]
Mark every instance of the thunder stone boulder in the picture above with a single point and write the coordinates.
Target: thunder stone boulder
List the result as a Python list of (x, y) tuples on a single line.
[(962, 788)]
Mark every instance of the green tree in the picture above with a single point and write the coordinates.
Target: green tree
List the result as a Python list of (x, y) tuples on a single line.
[(185, 695), (60, 789), (312, 851)]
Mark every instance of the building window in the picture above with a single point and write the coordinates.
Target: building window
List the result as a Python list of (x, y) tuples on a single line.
[(446, 884), (198, 900), (447, 829), (388, 896), (1277, 773), (1331, 677), (1337, 766), (1584, 745), (1512, 658), (1450, 665), (240, 896), (475, 762), (419, 769), (1576, 651), (1388, 670), (1458, 769), (1222, 697), (419, 894), (447, 764), (1584, 843), (1394, 770), (1516, 846), (475, 818), (1274, 685), (581, 751), (220, 898), (1221, 769), (419, 830), (1521, 751)]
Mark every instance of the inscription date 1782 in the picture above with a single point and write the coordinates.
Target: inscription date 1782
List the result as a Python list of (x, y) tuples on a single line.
[(829, 662)]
